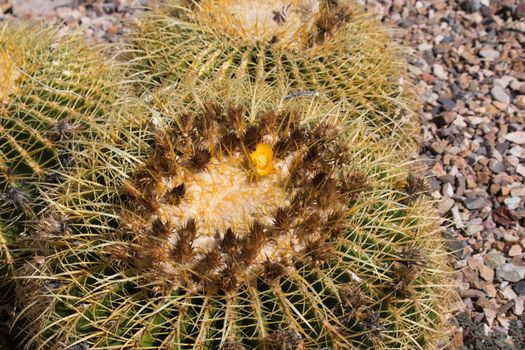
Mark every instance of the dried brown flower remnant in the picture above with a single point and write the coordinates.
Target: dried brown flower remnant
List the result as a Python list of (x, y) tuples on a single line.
[(285, 340), (17, 198), (415, 186)]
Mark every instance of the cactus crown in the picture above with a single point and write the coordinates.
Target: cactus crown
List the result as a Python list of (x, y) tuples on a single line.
[(220, 208), (294, 23)]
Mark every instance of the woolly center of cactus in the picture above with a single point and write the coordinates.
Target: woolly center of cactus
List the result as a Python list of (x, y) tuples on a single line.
[(222, 198), (225, 196), (264, 19), (8, 76), (292, 23)]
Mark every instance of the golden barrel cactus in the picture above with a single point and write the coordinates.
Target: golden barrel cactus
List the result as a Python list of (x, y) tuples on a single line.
[(236, 218), (56, 96), (329, 49)]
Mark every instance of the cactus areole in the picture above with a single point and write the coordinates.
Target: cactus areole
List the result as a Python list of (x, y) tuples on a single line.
[(220, 201)]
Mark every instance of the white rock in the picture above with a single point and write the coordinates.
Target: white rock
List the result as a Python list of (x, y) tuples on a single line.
[(460, 122), (439, 71), (516, 85), (486, 273), (486, 329), (457, 217), (518, 305), (520, 169), (517, 151), (499, 94), (490, 315), (516, 137), (504, 81), (519, 101), (518, 192), (489, 53), (501, 82), (475, 120), (508, 293), (448, 190), (510, 272), (504, 322), (424, 47), (515, 250), (512, 202), (514, 161), (445, 205)]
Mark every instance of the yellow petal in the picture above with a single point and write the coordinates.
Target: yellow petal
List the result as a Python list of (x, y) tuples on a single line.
[(261, 159)]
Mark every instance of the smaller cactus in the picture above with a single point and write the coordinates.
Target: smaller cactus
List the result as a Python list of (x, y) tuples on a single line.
[(50, 89), (56, 96), (328, 49)]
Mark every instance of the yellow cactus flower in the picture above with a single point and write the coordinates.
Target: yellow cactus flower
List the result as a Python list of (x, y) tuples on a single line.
[(261, 159)]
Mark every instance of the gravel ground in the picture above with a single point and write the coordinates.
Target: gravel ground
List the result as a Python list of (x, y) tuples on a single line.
[(468, 60), (99, 20)]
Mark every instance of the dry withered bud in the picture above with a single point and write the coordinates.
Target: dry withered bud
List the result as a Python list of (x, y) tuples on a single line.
[(280, 16), (160, 229), (17, 198), (285, 340), (402, 278), (415, 187), (208, 263), (63, 130), (352, 299), (273, 270), (283, 219), (50, 227), (120, 253), (175, 195), (230, 142), (318, 251), (65, 158), (230, 244), (252, 137), (182, 251), (412, 257), (371, 323), (232, 345), (200, 159), (235, 119)]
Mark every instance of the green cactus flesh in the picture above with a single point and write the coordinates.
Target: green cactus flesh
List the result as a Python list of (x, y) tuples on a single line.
[(330, 49), (51, 89), (185, 248), (6, 270)]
